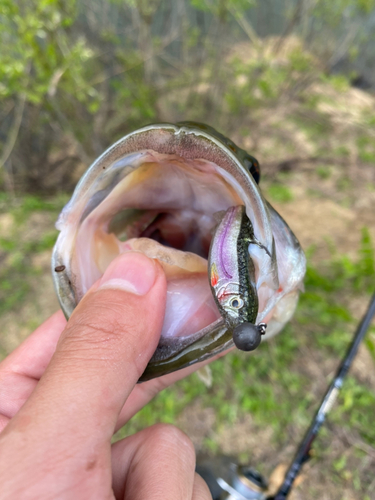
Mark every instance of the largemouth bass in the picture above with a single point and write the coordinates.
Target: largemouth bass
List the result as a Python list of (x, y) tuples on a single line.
[(169, 191)]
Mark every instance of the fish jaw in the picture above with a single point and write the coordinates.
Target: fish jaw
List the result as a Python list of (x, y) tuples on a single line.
[(174, 177)]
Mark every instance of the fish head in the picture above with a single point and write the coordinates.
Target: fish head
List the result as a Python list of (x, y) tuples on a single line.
[(157, 191)]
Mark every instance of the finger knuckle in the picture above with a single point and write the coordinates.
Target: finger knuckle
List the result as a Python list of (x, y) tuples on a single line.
[(201, 490), (171, 437), (102, 323)]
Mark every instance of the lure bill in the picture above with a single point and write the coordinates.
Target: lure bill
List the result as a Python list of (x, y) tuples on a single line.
[(232, 277)]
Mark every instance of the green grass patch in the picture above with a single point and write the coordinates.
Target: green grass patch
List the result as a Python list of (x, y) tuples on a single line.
[(323, 171), (280, 193), (16, 251), (341, 83), (342, 151), (366, 149), (316, 127), (355, 407), (370, 342), (21, 208)]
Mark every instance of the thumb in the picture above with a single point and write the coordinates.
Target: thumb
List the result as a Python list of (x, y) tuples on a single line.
[(101, 354)]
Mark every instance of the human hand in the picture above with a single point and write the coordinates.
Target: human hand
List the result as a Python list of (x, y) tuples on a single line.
[(63, 395)]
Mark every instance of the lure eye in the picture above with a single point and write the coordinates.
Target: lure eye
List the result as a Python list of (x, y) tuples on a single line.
[(236, 303)]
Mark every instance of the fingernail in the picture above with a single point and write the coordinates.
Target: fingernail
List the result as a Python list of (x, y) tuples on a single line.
[(132, 272)]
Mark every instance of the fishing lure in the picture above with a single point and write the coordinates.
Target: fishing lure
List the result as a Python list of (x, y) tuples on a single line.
[(232, 277)]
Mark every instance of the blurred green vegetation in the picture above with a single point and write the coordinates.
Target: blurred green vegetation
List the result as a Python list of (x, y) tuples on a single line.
[(73, 83), (22, 243), (280, 193)]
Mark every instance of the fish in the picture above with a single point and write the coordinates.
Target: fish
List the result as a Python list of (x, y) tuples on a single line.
[(169, 191)]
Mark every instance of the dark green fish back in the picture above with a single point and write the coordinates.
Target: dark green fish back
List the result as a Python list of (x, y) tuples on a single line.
[(249, 162)]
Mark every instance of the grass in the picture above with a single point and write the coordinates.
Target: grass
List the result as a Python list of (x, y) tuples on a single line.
[(280, 193), (22, 242), (317, 128), (366, 149), (323, 171)]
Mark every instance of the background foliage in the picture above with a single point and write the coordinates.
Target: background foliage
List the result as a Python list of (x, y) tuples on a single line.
[(78, 74)]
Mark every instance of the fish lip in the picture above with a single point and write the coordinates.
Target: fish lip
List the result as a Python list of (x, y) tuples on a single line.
[(216, 335), (174, 140)]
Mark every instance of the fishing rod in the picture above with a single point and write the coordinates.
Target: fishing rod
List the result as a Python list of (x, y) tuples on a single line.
[(245, 483)]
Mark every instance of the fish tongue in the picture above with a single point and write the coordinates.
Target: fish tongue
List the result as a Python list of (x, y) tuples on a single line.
[(190, 305)]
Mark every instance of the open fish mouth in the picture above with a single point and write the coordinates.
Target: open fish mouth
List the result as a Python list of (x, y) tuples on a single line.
[(158, 191)]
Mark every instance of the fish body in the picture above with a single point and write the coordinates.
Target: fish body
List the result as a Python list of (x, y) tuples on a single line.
[(158, 191)]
